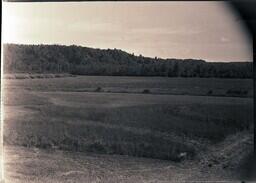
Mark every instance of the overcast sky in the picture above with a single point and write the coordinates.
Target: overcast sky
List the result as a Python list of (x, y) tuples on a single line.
[(202, 30)]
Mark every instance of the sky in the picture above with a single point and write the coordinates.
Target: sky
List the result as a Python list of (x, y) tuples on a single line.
[(199, 30)]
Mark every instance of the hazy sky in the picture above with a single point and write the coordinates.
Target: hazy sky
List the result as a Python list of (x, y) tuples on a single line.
[(203, 30)]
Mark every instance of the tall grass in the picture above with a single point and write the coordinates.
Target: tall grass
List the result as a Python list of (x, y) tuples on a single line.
[(136, 125)]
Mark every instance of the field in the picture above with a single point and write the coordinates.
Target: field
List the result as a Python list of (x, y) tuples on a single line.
[(176, 120)]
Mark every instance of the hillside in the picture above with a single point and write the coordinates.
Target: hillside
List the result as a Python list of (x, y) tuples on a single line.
[(113, 62)]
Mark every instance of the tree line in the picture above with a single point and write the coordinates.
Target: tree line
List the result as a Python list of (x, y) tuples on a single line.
[(80, 60)]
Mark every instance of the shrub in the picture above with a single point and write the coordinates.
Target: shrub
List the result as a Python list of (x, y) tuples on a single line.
[(236, 92), (96, 147), (146, 91), (98, 89), (209, 92)]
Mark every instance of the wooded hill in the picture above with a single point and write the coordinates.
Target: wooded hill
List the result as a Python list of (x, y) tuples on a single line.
[(89, 61)]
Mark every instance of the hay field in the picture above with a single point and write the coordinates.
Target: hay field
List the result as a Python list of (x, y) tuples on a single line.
[(143, 117)]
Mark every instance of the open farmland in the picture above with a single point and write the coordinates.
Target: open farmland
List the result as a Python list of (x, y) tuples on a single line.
[(124, 84), (150, 117)]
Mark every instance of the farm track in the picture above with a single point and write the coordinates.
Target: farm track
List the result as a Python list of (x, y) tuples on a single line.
[(80, 167), (230, 152)]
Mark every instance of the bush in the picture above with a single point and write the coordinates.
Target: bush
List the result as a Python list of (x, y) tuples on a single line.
[(98, 89), (97, 148), (209, 92), (236, 92), (146, 91)]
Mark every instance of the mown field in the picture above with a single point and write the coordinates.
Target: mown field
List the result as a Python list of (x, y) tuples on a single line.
[(154, 85), (78, 129), (126, 115)]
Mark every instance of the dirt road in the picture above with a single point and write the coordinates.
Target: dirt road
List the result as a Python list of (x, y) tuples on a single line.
[(220, 162)]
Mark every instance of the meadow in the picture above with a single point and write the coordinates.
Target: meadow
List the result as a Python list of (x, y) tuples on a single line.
[(151, 117), (129, 84)]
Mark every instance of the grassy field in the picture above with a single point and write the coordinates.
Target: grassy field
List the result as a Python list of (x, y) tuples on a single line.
[(78, 129), (126, 115), (153, 85)]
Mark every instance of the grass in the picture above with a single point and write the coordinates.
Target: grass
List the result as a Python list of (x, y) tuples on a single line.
[(35, 76), (65, 132), (51, 114), (156, 85), (40, 166), (47, 165)]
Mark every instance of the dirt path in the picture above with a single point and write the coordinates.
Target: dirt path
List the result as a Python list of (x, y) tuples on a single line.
[(229, 155), (36, 165)]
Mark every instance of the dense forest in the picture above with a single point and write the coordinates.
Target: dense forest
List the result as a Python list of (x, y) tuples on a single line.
[(89, 61)]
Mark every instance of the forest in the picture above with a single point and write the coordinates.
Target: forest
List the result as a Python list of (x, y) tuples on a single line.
[(78, 60)]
